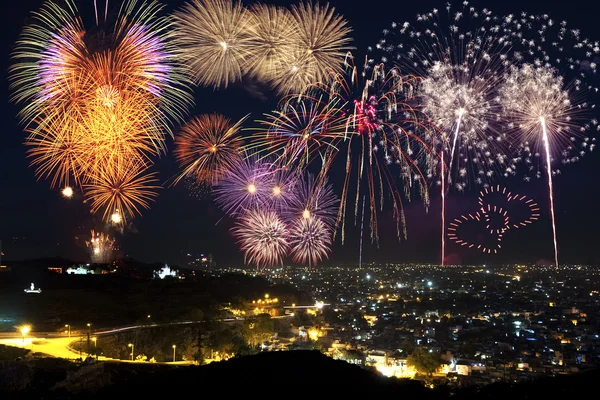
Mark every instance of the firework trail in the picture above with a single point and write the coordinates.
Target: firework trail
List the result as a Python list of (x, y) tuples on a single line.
[(362, 224), (263, 237)]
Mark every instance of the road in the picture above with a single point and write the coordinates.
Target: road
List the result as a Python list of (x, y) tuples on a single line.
[(57, 345)]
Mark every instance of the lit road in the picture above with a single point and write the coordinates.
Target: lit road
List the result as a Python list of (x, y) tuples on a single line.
[(57, 345)]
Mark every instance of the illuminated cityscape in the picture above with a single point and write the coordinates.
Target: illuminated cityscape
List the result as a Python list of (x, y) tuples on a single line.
[(299, 197)]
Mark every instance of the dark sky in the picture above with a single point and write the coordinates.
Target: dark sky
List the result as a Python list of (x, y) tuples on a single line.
[(36, 221)]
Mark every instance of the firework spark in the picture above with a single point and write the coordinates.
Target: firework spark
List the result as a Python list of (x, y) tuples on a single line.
[(263, 238), (208, 147), (101, 247), (310, 240), (214, 40)]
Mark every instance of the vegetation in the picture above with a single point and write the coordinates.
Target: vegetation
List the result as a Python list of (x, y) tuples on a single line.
[(423, 361)]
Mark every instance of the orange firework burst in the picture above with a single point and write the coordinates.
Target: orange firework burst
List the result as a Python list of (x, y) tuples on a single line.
[(208, 147), (123, 190), (97, 111)]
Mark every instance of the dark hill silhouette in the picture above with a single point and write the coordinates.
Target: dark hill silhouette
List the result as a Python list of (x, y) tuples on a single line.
[(300, 373), (292, 374)]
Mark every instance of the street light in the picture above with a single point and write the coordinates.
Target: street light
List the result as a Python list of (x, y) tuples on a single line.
[(69, 328), (132, 348), (95, 339), (24, 329), (174, 347), (89, 327)]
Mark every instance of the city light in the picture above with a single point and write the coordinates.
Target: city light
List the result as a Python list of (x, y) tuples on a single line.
[(132, 350), (24, 330)]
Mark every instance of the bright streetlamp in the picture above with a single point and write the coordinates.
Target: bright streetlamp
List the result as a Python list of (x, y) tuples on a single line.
[(24, 329), (174, 347), (69, 329), (89, 327), (95, 339), (132, 348)]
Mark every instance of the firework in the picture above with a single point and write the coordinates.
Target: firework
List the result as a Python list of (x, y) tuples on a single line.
[(506, 199), (322, 44), (198, 190), (208, 147), (313, 198), (490, 242), (282, 187), (92, 105), (263, 238), (461, 55), (101, 247), (274, 34), (366, 120), (382, 141), (553, 110), (214, 40), (539, 105), (248, 185), (302, 129), (310, 240), (67, 192), (122, 192)]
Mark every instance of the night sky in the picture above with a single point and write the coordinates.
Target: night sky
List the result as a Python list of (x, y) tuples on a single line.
[(37, 222)]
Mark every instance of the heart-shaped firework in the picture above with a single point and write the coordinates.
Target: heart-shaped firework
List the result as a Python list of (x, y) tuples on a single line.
[(521, 210), (467, 231)]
